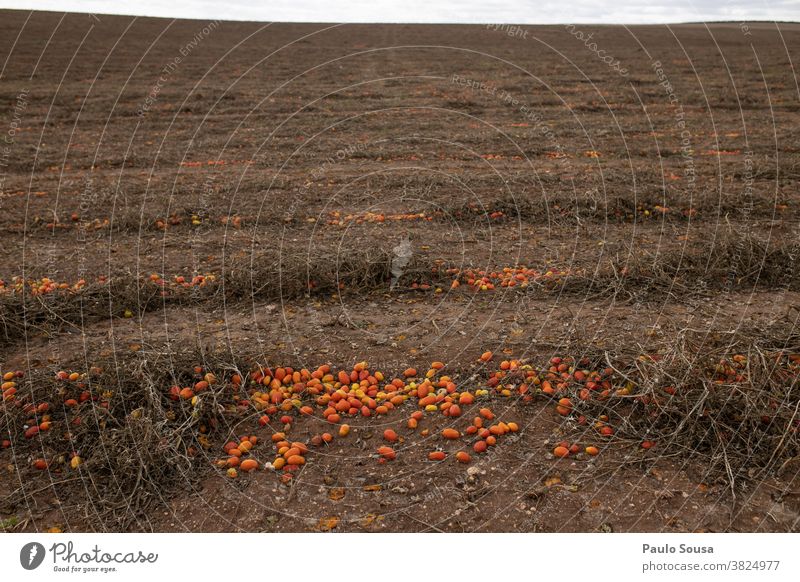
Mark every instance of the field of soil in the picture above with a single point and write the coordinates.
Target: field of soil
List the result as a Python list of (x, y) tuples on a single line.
[(325, 277)]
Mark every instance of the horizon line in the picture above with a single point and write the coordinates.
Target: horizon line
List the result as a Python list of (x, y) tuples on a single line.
[(590, 23)]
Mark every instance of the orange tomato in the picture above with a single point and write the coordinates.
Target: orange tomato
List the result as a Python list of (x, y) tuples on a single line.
[(387, 453), (295, 460), (248, 465), (561, 452), (451, 433)]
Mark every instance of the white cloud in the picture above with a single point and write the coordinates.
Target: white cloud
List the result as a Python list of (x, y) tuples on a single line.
[(466, 11)]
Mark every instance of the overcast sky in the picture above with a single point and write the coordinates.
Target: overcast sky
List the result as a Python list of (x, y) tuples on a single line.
[(468, 11)]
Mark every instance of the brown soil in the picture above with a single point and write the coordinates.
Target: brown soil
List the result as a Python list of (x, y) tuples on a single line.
[(286, 160)]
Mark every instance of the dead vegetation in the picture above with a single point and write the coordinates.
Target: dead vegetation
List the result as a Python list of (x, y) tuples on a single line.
[(732, 401), (731, 405), (736, 260)]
